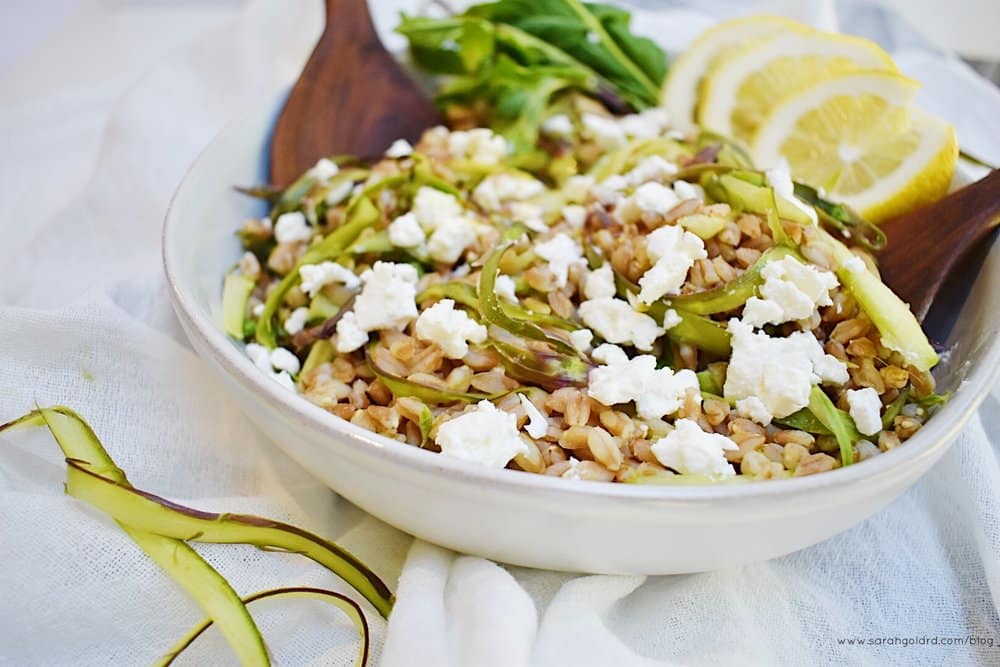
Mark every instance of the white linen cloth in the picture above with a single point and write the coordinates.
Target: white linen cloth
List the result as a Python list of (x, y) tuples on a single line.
[(97, 126)]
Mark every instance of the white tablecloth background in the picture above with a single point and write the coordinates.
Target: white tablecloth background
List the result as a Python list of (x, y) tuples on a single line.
[(97, 125)]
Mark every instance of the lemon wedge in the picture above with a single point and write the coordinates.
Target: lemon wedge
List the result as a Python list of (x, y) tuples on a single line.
[(680, 92), (859, 138), (745, 84)]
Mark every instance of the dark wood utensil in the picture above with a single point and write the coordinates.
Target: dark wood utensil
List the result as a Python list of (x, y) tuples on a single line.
[(926, 244), (352, 97)]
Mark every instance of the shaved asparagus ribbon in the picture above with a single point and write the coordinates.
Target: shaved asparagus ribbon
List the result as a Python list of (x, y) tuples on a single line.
[(162, 528)]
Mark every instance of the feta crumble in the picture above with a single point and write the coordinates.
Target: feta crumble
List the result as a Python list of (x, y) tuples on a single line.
[(450, 238), (604, 131), (504, 288), (691, 451), (317, 276), (350, 336), (685, 190), (324, 170), (296, 320), (779, 372), (645, 124), (617, 323), (481, 145), (387, 300), (560, 252), (581, 339), (538, 424), (656, 392), (558, 125), (652, 168), (780, 179), (486, 435), (278, 364), (451, 329), (600, 283), (577, 188), (854, 264), (284, 360), (399, 148), (339, 193), (497, 189), (865, 409), (674, 252), (574, 215), (405, 231), (292, 227), (792, 291), (430, 206)]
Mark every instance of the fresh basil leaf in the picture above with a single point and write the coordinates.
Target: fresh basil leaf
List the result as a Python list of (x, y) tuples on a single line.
[(449, 46)]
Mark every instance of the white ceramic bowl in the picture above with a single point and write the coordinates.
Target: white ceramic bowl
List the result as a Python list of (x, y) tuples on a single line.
[(522, 518)]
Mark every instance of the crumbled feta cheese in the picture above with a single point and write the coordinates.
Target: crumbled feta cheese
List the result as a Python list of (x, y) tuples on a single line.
[(538, 424), (646, 124), (284, 379), (406, 232), (577, 188), (480, 145), (431, 206), (349, 335), (530, 215), (581, 339), (324, 170), (685, 190), (670, 319), (387, 301), (317, 276), (855, 264), (652, 168), (496, 189), (574, 215), (604, 131), (399, 148), (296, 320), (691, 451), (558, 125), (291, 227), (339, 193), (504, 287), (600, 283), (674, 252), (450, 238), (656, 392), (778, 371), (780, 179), (609, 354), (865, 409), (266, 223), (451, 329), (284, 360), (486, 435), (616, 322), (754, 409), (259, 355), (258, 310), (654, 198), (560, 252), (791, 292)]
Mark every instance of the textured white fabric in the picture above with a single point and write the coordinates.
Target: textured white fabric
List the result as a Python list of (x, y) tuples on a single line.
[(97, 126)]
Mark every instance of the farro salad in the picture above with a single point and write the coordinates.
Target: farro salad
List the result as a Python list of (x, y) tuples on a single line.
[(611, 300)]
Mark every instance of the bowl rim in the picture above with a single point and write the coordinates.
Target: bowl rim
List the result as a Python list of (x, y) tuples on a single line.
[(939, 432)]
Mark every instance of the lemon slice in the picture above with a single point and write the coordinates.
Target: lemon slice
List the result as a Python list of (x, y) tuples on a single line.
[(680, 93), (858, 137), (746, 84)]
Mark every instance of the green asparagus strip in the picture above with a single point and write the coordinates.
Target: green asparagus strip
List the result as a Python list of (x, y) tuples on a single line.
[(146, 511), (200, 580), (836, 421), (346, 604), (700, 331), (548, 370), (734, 293), (235, 292), (402, 387)]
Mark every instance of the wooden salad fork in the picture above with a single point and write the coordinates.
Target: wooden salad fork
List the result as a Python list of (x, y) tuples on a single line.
[(926, 244), (351, 98)]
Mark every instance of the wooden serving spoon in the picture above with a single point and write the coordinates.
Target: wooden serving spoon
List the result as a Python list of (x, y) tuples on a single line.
[(352, 98), (926, 244)]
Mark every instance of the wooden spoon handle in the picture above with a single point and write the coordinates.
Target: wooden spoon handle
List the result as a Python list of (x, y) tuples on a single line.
[(353, 19), (925, 244)]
